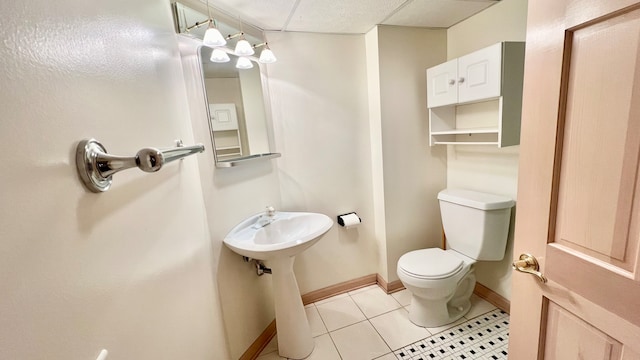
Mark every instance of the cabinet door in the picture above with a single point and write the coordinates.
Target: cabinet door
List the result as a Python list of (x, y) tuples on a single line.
[(441, 84), (223, 117), (479, 74)]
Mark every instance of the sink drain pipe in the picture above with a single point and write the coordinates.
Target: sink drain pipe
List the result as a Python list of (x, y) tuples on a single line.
[(261, 269)]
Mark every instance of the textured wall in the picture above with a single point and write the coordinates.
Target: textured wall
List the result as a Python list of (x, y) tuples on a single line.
[(230, 196), (414, 173), (485, 168), (319, 98), (130, 270)]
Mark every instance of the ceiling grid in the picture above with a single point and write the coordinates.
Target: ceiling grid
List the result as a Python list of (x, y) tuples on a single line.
[(349, 16)]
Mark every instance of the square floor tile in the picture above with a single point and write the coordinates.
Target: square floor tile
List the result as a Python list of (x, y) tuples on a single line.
[(270, 356), (324, 349), (366, 288), (340, 313), (439, 329), (479, 306), (482, 335), (388, 356), (315, 321), (374, 302), (359, 342), (403, 297), (333, 298), (397, 330)]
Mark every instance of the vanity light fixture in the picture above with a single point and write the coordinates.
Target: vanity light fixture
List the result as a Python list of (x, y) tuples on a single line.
[(266, 56), (244, 63), (212, 37), (219, 56), (243, 48)]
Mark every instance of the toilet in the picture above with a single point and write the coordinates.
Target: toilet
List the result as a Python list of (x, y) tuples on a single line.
[(441, 282)]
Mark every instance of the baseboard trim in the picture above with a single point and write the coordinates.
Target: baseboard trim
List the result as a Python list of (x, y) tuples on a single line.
[(389, 287), (492, 297), (263, 339), (338, 289), (261, 342)]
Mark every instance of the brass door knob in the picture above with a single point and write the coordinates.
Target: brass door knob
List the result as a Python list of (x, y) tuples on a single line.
[(528, 264)]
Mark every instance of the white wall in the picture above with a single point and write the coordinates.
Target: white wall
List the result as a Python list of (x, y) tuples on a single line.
[(130, 270), (413, 172), (255, 119), (230, 196), (484, 168), (375, 136), (319, 96)]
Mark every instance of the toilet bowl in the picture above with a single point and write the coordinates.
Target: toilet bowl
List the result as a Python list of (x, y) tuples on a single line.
[(441, 282)]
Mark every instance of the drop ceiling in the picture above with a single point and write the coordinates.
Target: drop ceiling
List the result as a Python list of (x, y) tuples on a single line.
[(349, 16)]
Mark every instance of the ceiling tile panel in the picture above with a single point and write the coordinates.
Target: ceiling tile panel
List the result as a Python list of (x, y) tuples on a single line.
[(266, 14), (339, 16), (436, 13)]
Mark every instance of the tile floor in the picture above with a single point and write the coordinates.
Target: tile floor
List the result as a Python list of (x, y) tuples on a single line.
[(368, 324)]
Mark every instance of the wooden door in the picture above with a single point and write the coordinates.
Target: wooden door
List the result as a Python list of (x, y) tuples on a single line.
[(578, 191), (442, 88), (479, 74)]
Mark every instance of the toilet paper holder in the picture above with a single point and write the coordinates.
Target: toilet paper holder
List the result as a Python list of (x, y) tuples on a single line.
[(349, 219)]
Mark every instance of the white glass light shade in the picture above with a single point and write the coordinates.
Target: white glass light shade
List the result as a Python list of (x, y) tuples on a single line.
[(213, 37), (267, 57), (219, 56), (244, 63), (243, 48)]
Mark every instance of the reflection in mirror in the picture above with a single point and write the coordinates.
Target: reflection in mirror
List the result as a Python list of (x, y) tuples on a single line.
[(235, 100), (237, 115)]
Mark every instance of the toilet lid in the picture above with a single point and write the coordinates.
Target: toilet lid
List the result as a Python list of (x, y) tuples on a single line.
[(433, 263)]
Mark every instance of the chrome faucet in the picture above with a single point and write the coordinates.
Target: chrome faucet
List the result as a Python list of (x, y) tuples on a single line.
[(267, 218)]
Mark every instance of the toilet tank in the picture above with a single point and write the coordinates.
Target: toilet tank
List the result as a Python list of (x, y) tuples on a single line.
[(476, 224)]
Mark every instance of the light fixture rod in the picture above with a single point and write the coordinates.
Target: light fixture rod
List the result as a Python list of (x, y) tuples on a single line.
[(198, 24), (208, 10), (229, 37)]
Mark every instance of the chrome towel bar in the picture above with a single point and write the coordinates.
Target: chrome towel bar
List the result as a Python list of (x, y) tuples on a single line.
[(96, 167)]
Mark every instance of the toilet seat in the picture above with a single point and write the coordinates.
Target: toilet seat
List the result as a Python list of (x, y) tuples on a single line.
[(430, 264)]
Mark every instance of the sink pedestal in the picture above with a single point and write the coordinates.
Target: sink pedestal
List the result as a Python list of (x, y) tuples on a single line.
[(278, 242), (294, 333)]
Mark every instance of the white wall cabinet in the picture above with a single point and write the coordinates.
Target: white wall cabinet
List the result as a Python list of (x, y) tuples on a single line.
[(226, 133), (442, 84), (493, 76)]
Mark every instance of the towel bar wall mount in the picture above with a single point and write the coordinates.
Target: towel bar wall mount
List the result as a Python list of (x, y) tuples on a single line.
[(96, 167)]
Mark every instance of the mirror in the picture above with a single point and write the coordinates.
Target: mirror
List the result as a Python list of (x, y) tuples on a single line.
[(237, 117), (238, 120)]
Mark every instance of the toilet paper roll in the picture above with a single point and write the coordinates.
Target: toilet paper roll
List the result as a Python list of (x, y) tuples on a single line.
[(349, 220)]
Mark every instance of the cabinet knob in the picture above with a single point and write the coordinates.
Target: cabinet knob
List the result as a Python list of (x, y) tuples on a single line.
[(461, 80), (451, 82)]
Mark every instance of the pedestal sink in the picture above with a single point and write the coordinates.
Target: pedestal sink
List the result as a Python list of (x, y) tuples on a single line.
[(278, 239)]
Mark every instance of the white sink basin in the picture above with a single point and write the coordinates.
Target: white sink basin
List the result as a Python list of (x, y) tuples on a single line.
[(288, 234)]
